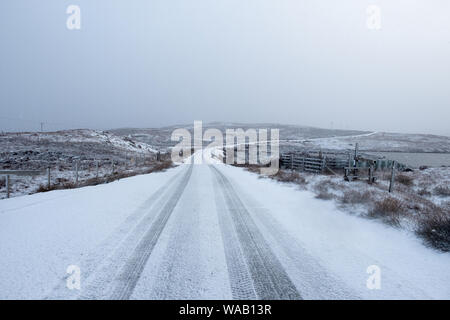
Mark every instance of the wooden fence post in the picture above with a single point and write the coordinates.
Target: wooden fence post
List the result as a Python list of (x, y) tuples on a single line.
[(391, 184), (96, 169), (48, 177), (76, 173), (112, 167), (8, 183)]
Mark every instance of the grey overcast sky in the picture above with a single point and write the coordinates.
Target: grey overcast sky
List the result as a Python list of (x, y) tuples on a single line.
[(147, 63)]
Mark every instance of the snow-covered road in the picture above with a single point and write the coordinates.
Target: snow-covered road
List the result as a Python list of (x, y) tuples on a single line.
[(205, 231)]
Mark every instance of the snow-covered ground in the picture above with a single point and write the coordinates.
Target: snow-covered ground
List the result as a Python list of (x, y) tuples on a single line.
[(62, 151), (14, 142), (206, 231), (42, 234), (307, 138), (161, 137), (383, 142), (346, 245), (131, 148)]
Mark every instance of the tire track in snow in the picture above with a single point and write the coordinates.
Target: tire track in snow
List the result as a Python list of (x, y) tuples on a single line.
[(314, 281), (114, 246), (270, 280), (240, 279), (129, 274), (189, 261)]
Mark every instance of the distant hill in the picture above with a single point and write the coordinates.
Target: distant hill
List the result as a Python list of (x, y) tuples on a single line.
[(35, 150), (302, 137), (160, 137)]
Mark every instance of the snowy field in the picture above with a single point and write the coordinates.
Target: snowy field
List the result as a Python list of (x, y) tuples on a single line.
[(160, 137), (384, 142), (62, 151), (135, 149), (417, 160), (301, 137), (206, 231), (212, 231)]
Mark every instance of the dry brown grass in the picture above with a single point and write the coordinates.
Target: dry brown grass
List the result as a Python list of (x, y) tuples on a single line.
[(434, 228), (321, 190), (442, 191), (355, 197), (389, 210), (431, 221), (249, 167), (65, 184), (289, 176), (424, 192), (324, 195), (281, 175), (61, 186), (404, 179)]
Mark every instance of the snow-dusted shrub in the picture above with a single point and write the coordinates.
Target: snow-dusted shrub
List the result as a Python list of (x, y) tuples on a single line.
[(66, 184), (434, 228), (249, 167), (324, 195), (322, 190), (442, 190), (389, 210), (60, 186), (404, 179), (424, 192), (355, 197), (289, 176)]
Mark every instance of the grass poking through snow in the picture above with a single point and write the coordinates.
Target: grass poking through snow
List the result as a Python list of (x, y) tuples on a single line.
[(418, 202)]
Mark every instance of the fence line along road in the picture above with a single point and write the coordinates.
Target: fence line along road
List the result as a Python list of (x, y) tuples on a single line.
[(22, 173), (78, 165)]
